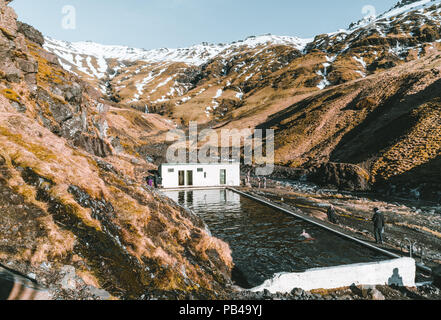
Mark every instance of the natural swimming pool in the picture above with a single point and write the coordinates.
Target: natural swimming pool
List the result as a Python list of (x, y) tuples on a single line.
[(265, 241)]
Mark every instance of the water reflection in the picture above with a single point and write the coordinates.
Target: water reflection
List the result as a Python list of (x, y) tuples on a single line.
[(265, 241), (190, 199)]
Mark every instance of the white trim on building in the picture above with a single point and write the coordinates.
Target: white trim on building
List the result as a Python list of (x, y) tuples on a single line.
[(200, 175)]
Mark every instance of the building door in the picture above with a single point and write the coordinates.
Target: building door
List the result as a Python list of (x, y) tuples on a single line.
[(223, 177), (190, 178), (181, 178)]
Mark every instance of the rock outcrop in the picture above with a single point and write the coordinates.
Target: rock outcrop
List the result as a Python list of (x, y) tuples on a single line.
[(77, 216), (342, 176), (15, 64), (30, 33)]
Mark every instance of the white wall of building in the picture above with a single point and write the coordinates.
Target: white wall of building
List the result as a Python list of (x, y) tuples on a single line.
[(401, 272), (204, 175)]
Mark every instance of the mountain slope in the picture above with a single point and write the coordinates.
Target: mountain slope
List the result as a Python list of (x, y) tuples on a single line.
[(165, 79), (213, 82)]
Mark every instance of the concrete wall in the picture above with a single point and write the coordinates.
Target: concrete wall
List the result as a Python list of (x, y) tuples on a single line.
[(208, 177), (401, 272)]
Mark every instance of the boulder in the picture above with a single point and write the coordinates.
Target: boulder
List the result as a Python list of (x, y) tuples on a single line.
[(8, 18), (27, 66), (343, 176), (377, 295), (11, 73), (69, 281), (61, 112), (71, 127), (93, 145), (73, 93), (50, 57)]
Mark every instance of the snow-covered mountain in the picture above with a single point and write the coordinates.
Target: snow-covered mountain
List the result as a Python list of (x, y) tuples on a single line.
[(72, 54), (402, 8), (210, 81), (127, 73), (194, 55), (406, 6)]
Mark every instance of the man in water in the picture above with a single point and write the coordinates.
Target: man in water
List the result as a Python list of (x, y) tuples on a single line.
[(332, 216), (379, 222), (306, 236)]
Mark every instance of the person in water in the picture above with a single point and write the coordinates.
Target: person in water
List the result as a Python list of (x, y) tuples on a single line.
[(332, 215), (379, 222), (306, 236)]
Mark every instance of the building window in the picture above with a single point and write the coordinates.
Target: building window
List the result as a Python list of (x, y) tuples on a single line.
[(200, 170), (189, 178), (171, 170), (223, 177), (182, 178)]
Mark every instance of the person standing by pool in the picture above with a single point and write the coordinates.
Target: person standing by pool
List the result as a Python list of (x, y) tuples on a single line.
[(332, 216), (379, 222)]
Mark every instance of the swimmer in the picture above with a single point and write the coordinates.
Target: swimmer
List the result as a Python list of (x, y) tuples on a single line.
[(306, 236)]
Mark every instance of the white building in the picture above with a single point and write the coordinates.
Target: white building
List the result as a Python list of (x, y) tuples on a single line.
[(175, 176)]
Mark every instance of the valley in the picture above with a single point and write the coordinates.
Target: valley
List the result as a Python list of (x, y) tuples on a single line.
[(82, 125)]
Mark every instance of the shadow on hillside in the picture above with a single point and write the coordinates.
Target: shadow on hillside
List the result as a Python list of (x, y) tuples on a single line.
[(426, 177)]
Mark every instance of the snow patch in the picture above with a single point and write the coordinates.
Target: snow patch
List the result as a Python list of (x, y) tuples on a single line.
[(360, 60)]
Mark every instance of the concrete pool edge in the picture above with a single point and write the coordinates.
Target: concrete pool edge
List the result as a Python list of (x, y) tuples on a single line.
[(400, 272), (323, 226)]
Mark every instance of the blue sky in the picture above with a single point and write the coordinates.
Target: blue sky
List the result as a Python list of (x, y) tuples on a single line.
[(180, 23)]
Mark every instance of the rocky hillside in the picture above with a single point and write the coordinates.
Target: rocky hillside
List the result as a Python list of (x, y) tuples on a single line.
[(385, 122), (75, 212), (82, 124)]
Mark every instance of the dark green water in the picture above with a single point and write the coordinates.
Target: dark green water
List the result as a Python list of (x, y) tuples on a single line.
[(265, 241)]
